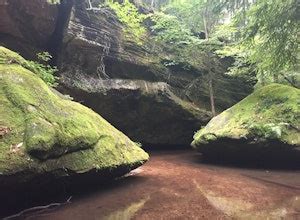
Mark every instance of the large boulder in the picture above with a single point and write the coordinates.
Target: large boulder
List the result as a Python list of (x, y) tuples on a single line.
[(265, 125), (146, 111), (45, 137)]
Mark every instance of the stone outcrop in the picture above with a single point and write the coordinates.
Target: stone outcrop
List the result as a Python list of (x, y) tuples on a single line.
[(27, 26), (46, 138), (97, 55), (264, 126), (146, 111), (91, 45)]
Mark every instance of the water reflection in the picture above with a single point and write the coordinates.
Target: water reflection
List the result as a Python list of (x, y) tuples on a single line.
[(240, 209), (128, 212)]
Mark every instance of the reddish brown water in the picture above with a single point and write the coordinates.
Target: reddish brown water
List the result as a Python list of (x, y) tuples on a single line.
[(175, 185)]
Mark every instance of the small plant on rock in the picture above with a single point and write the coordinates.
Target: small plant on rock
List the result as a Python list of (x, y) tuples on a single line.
[(43, 69)]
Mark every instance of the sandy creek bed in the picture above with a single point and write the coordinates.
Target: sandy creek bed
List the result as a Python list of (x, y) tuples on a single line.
[(177, 185)]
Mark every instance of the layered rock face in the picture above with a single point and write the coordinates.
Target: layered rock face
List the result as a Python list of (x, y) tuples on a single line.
[(263, 126), (147, 111), (91, 46), (98, 60), (45, 137)]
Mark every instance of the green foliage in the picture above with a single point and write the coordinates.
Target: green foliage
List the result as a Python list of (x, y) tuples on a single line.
[(54, 2), (43, 70), (179, 24), (193, 12), (225, 33), (184, 48), (129, 15), (169, 29), (187, 12), (241, 67), (262, 37), (44, 56), (271, 36)]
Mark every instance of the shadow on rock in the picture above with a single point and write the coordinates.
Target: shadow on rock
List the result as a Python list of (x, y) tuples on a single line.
[(285, 159)]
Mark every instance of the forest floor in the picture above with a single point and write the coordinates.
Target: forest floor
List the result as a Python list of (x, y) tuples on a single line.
[(177, 185)]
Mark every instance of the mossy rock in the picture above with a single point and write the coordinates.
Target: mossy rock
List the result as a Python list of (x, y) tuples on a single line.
[(264, 124), (42, 133)]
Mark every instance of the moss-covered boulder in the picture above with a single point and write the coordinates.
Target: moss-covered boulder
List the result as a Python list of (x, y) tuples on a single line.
[(43, 134), (265, 125)]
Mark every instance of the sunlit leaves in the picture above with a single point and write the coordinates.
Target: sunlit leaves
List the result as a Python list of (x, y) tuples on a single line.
[(128, 14), (169, 29)]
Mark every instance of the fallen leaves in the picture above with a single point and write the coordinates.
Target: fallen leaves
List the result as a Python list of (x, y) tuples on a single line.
[(16, 147), (4, 131)]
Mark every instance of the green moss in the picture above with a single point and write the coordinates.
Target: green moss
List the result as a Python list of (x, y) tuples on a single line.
[(45, 72), (268, 131), (49, 133), (270, 113), (9, 57)]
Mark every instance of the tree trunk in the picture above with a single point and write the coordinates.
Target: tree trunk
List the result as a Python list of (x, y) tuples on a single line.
[(210, 87), (205, 26), (244, 13), (90, 4), (211, 95), (210, 75), (152, 4)]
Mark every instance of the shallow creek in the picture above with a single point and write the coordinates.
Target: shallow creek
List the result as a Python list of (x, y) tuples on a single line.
[(177, 185)]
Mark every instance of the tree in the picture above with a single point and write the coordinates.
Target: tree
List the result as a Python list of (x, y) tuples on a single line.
[(177, 29), (271, 36), (204, 15)]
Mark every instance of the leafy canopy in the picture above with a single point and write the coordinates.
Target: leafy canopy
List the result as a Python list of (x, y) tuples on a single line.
[(271, 35), (129, 15)]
